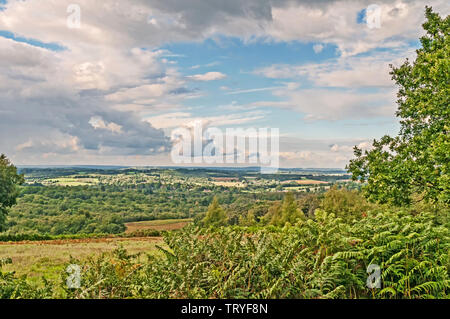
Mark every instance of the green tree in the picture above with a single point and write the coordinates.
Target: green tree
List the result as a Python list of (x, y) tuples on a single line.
[(248, 219), (9, 181), (290, 211), (215, 216), (416, 162), (345, 204), (287, 212)]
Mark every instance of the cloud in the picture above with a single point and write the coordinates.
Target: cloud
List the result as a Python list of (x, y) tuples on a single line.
[(198, 66), (351, 87), (98, 123), (335, 22), (344, 72), (318, 48), (209, 76), (335, 148), (129, 23), (332, 105), (253, 90), (44, 94), (317, 153), (109, 77), (181, 119)]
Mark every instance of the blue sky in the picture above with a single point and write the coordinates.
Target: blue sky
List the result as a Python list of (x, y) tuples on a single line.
[(112, 90), (239, 60)]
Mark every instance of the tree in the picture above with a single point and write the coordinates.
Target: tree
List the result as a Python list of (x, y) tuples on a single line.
[(216, 215), (416, 162), (346, 204), (248, 219), (9, 181), (287, 212), (290, 211)]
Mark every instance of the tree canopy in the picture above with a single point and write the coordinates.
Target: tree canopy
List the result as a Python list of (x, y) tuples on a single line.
[(9, 181), (216, 215), (415, 164)]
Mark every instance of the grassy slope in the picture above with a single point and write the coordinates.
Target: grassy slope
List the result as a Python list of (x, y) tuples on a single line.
[(48, 258), (36, 259)]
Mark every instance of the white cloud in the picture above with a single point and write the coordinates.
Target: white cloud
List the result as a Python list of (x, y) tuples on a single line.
[(344, 72), (318, 48), (111, 68), (209, 76), (180, 119), (98, 123), (254, 90), (325, 104)]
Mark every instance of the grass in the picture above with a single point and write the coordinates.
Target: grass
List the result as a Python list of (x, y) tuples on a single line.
[(160, 224), (311, 182), (49, 258), (70, 181)]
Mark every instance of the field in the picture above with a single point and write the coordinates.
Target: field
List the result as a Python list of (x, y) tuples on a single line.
[(310, 182), (167, 224), (71, 181), (48, 258)]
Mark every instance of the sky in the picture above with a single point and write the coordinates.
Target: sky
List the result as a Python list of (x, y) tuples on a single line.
[(109, 85)]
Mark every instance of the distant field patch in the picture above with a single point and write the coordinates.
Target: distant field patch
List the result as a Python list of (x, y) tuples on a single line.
[(163, 224), (71, 181), (310, 182)]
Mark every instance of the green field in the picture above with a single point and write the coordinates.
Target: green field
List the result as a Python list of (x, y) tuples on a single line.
[(48, 258)]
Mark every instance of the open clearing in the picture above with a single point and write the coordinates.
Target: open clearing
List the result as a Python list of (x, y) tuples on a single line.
[(166, 224), (71, 181), (49, 257), (310, 182)]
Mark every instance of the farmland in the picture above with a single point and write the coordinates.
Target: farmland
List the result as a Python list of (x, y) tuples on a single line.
[(83, 201), (139, 218)]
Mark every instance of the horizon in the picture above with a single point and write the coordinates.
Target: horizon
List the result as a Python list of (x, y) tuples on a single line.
[(93, 166), (103, 84)]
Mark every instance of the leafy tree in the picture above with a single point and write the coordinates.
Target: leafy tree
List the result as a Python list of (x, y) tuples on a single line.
[(9, 181), (417, 161), (248, 219), (287, 212), (216, 215), (309, 203), (345, 204), (290, 211)]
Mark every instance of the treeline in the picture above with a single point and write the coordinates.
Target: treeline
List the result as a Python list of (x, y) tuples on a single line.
[(58, 210), (43, 237), (292, 207)]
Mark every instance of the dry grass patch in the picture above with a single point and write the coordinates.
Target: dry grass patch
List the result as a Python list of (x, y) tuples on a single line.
[(166, 224)]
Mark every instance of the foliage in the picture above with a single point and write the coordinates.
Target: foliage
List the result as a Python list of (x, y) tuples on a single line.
[(215, 215), (417, 160), (43, 237), (287, 212), (9, 180), (345, 204), (12, 287), (322, 258)]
